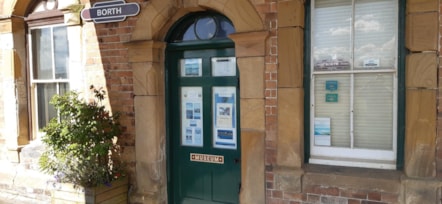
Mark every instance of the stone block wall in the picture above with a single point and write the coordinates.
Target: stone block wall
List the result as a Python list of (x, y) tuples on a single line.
[(290, 181), (129, 63)]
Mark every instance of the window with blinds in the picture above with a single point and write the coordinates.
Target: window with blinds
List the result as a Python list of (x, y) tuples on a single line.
[(354, 82)]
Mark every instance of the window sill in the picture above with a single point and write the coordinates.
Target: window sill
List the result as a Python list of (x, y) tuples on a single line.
[(353, 177)]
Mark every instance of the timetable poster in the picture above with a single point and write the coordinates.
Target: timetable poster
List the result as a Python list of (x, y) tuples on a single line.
[(191, 116), (224, 117)]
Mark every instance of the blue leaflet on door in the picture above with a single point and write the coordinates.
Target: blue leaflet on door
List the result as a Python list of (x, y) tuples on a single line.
[(224, 117)]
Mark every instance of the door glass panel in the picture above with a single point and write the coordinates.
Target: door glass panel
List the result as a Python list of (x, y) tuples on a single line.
[(224, 117), (223, 66), (191, 67), (191, 116)]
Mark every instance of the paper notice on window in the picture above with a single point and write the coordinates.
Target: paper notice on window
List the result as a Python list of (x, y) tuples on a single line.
[(322, 132)]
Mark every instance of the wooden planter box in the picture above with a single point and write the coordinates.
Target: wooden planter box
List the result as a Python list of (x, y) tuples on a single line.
[(115, 193)]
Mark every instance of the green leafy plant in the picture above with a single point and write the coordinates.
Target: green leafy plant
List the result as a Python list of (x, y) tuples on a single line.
[(81, 143)]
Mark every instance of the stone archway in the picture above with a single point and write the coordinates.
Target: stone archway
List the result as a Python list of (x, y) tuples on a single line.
[(146, 55)]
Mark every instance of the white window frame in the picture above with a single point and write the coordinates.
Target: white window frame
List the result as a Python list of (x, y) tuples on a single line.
[(351, 156), (33, 82)]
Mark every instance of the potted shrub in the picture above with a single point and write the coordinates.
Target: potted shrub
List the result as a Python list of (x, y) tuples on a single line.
[(81, 151)]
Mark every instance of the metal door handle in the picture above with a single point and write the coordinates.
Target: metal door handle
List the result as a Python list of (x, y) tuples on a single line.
[(236, 160)]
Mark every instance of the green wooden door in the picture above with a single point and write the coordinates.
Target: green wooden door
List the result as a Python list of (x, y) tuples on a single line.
[(203, 129)]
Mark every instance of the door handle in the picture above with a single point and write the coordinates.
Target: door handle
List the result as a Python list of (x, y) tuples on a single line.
[(236, 160)]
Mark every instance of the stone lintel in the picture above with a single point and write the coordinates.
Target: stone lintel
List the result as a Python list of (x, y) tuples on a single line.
[(252, 167), (291, 57), (250, 44), (421, 70), (422, 31), (420, 143), (148, 79), (146, 51), (251, 70), (291, 13)]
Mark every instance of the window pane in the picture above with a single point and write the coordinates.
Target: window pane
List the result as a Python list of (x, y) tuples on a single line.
[(375, 34), (190, 33), (61, 53), (45, 110), (206, 27), (338, 111), (42, 53), (225, 29), (373, 111), (332, 35)]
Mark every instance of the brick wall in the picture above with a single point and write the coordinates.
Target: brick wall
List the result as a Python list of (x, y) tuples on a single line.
[(271, 83), (107, 65)]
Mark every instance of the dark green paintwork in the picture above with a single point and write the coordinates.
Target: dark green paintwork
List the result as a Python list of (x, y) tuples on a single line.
[(196, 182)]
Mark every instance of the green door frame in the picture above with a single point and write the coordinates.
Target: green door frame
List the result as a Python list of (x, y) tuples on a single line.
[(170, 50)]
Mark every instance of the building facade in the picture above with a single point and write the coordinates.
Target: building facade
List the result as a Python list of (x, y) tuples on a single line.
[(236, 101)]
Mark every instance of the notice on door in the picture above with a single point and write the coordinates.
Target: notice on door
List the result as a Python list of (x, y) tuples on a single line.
[(224, 117), (207, 158), (191, 116)]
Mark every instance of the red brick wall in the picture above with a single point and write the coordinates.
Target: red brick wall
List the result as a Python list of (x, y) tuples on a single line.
[(106, 52), (271, 83)]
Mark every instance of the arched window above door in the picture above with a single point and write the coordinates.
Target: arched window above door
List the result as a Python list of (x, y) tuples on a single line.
[(202, 26)]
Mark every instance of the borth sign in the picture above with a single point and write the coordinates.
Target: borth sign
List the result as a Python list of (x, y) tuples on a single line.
[(111, 11)]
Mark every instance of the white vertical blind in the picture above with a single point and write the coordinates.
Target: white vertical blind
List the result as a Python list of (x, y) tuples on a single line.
[(332, 34), (354, 42), (338, 112), (375, 29), (373, 114)]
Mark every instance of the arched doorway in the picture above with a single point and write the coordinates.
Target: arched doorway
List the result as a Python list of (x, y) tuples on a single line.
[(203, 111)]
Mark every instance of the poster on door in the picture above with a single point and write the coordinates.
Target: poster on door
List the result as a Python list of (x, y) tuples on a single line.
[(224, 117), (191, 67), (224, 66), (191, 116)]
